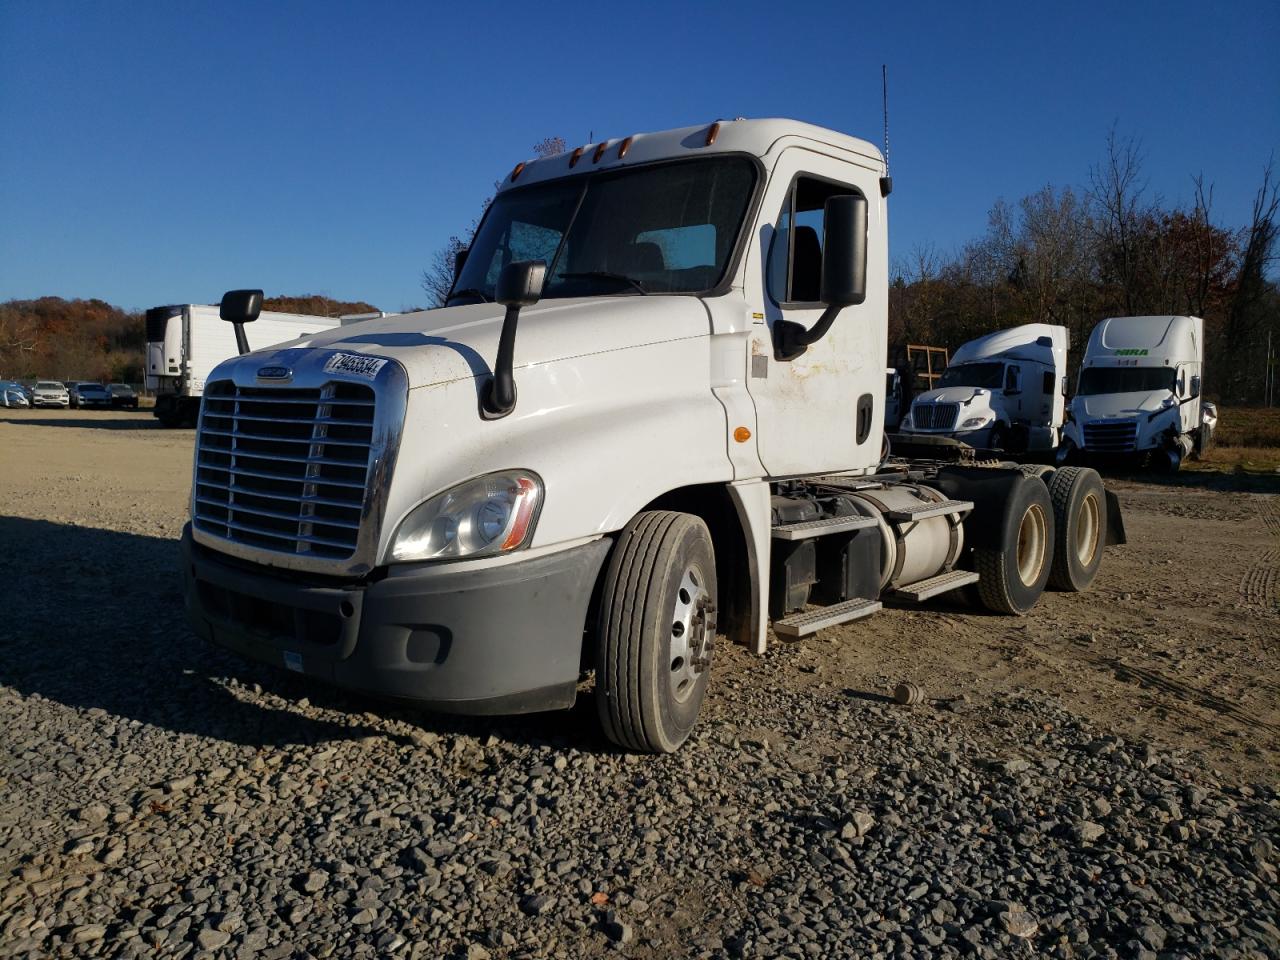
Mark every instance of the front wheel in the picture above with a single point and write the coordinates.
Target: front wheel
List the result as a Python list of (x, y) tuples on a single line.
[(655, 631)]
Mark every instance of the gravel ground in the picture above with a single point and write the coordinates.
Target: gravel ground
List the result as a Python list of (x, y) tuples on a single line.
[(162, 798)]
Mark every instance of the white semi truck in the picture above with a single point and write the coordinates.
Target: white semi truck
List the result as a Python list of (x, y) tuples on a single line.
[(186, 341), (1004, 391), (1138, 398), (650, 413)]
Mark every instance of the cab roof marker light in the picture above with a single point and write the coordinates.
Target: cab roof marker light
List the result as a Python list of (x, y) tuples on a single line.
[(712, 132), (624, 147), (517, 171), (575, 157), (599, 151)]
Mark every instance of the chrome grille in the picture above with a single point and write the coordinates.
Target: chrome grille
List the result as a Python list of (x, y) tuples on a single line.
[(284, 469), (1111, 436), (934, 416)]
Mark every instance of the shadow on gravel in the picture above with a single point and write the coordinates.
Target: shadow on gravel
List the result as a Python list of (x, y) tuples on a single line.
[(94, 619), (1219, 482), (122, 421)]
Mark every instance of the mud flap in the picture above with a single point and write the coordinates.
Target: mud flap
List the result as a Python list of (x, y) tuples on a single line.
[(1115, 521)]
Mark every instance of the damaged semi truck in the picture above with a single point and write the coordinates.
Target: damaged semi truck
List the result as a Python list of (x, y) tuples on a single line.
[(651, 413)]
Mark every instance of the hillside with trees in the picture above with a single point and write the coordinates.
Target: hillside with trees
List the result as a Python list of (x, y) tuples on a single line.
[(93, 340)]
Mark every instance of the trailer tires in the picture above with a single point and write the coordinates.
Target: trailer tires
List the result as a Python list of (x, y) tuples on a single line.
[(1012, 576), (1080, 514), (655, 632)]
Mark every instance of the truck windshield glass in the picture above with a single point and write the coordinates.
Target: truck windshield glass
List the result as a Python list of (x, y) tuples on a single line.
[(665, 228), (1100, 380), (989, 375)]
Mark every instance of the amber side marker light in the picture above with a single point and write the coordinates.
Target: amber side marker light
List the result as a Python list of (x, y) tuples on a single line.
[(712, 132), (742, 434), (575, 157), (623, 147), (516, 172), (599, 151)]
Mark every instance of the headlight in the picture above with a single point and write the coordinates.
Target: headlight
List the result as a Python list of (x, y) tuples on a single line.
[(488, 515), (973, 423)]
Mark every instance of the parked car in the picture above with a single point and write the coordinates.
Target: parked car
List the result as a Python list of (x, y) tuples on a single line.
[(93, 395), (72, 395), (122, 395), (50, 393), (13, 395)]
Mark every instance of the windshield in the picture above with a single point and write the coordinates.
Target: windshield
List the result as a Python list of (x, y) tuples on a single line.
[(1099, 380), (90, 387), (989, 375), (46, 385), (665, 228)]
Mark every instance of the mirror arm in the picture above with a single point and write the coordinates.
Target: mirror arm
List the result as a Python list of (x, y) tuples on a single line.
[(790, 339), (500, 392), (242, 342)]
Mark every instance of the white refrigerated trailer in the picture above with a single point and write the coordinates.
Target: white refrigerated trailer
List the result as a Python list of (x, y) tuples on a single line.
[(186, 341), (650, 413)]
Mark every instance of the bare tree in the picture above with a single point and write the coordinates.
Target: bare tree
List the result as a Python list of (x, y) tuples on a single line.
[(1117, 196)]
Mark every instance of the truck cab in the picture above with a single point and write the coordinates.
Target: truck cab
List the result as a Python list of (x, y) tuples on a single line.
[(651, 413), (1004, 391), (1139, 393)]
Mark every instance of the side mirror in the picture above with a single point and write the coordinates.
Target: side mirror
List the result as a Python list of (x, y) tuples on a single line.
[(844, 273), (520, 283), (240, 307), (460, 261), (844, 251)]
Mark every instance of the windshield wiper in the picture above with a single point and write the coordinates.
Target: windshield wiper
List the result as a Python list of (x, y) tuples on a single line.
[(604, 275), (468, 292)]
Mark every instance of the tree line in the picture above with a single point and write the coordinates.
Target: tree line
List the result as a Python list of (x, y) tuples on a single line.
[(1073, 256), (93, 340)]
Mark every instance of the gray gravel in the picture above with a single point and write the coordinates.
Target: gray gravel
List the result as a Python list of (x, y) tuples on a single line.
[(161, 798)]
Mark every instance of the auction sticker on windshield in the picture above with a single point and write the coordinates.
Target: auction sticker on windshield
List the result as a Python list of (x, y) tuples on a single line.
[(355, 365)]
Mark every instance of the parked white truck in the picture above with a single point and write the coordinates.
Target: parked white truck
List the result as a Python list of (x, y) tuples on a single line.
[(1138, 398), (630, 430), (186, 341), (1004, 391)]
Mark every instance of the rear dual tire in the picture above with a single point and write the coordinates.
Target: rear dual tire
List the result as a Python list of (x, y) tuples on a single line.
[(1012, 576), (1080, 512)]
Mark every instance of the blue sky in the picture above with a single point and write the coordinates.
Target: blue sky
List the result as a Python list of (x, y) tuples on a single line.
[(163, 152)]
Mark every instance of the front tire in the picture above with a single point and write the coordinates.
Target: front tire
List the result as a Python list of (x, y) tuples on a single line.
[(1011, 577), (1080, 513), (655, 631)]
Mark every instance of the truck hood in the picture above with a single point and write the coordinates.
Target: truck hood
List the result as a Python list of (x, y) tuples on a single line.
[(1121, 404), (458, 343), (952, 395)]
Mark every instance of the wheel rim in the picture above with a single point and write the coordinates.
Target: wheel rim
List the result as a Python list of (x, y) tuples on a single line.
[(1031, 540), (1088, 527), (692, 629)]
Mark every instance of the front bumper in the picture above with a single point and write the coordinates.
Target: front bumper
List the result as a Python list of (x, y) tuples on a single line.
[(447, 636), (51, 402)]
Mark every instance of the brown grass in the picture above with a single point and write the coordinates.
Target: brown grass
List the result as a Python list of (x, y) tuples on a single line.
[(1248, 427)]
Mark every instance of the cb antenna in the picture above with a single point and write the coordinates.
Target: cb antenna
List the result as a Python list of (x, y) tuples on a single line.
[(886, 182)]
